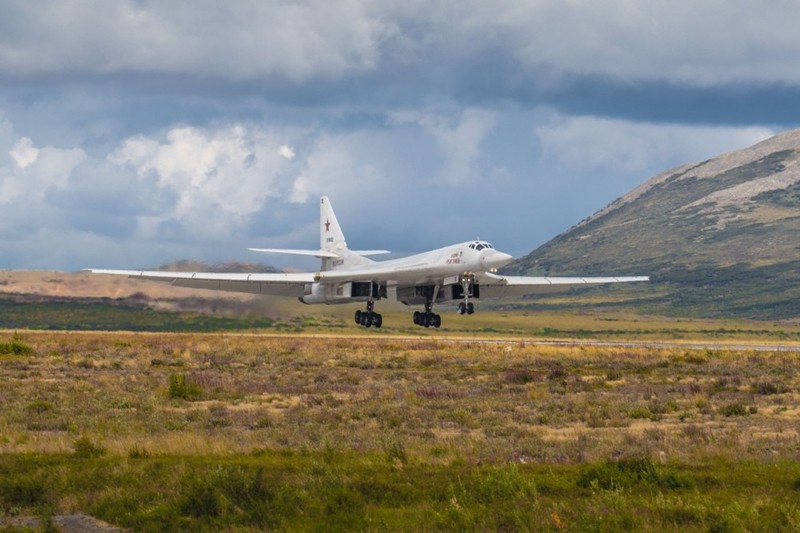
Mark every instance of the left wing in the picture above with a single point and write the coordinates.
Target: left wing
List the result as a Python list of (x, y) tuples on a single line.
[(279, 284), (495, 286)]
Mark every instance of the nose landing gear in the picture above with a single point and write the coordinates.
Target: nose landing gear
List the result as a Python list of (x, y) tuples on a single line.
[(466, 306)]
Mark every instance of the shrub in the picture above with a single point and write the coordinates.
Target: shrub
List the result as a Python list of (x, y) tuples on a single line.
[(767, 387), (85, 449), (203, 499), (626, 473), (138, 453), (519, 376), (396, 453), (733, 409), (25, 492), (15, 347), (38, 407), (640, 412), (180, 387)]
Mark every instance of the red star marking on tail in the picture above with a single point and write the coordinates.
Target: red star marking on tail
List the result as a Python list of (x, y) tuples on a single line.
[(327, 225)]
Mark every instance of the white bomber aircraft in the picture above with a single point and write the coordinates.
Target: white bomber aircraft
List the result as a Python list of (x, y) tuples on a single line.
[(463, 272)]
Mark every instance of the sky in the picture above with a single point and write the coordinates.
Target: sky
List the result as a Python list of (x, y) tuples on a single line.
[(136, 132)]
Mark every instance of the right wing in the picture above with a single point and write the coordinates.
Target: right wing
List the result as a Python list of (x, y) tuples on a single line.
[(279, 284), (495, 286)]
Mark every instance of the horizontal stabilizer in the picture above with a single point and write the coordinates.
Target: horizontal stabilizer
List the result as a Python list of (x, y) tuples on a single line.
[(370, 252), (313, 253), (317, 253)]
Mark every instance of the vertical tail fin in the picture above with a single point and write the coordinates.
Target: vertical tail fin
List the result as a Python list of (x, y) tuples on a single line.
[(331, 238)]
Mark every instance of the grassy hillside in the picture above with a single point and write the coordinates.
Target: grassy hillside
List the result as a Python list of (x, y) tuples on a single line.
[(718, 238)]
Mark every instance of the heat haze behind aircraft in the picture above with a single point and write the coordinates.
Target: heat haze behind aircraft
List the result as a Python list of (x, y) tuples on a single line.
[(461, 272)]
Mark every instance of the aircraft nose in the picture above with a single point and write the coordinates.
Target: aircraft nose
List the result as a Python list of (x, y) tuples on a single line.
[(494, 259)]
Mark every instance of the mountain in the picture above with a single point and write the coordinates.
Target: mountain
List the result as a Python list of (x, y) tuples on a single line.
[(718, 238)]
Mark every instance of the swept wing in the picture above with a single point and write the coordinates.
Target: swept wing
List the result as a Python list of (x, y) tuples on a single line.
[(496, 286), (280, 284)]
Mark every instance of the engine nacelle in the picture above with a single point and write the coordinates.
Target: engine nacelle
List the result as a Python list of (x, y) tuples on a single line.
[(339, 293), (323, 293)]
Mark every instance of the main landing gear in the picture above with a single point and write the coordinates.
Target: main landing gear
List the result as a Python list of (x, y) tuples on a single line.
[(428, 319), (369, 317)]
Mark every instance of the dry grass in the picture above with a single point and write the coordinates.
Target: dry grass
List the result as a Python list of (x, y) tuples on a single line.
[(470, 402)]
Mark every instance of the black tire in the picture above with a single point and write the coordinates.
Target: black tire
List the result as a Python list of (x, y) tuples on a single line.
[(377, 320), (358, 317), (436, 321), (426, 321), (462, 308), (417, 318), (367, 318), (470, 308)]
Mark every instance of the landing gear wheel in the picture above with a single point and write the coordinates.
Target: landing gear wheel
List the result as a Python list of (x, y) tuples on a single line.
[(462, 308), (427, 319), (368, 318), (470, 308)]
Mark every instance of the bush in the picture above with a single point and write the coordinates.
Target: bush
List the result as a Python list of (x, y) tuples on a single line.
[(15, 347), (85, 449), (24, 492), (180, 387), (767, 387), (519, 376), (733, 409), (629, 472), (203, 499)]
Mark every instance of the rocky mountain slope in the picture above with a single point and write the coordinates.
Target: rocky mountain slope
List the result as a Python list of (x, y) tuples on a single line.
[(721, 237)]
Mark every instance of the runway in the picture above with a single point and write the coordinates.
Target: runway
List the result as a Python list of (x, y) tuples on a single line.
[(736, 346)]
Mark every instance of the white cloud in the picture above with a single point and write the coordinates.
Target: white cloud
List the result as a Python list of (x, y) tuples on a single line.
[(33, 173), (219, 176), (24, 153), (287, 152), (591, 144), (338, 165)]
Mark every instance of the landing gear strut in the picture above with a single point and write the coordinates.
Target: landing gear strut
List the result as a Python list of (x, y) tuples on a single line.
[(369, 317), (428, 319), (466, 306)]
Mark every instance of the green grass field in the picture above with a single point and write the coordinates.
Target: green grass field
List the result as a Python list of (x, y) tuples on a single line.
[(568, 317), (169, 431)]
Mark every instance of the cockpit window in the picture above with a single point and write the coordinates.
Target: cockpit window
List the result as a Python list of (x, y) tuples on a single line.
[(480, 245)]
